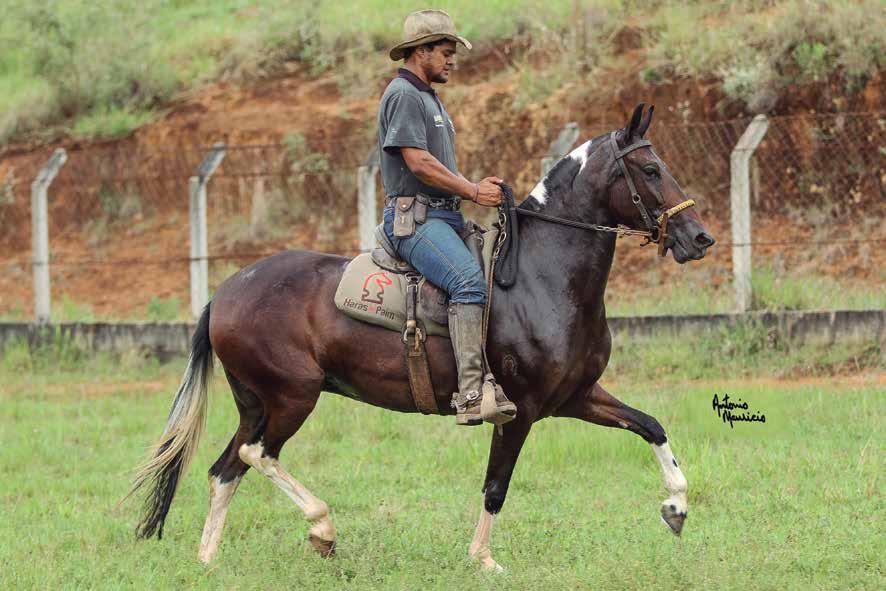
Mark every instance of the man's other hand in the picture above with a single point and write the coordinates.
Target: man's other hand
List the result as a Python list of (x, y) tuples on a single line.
[(488, 192)]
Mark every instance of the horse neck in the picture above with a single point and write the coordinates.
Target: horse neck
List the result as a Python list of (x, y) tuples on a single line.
[(573, 263)]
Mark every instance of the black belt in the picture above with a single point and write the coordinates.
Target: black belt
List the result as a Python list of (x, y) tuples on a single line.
[(445, 203)]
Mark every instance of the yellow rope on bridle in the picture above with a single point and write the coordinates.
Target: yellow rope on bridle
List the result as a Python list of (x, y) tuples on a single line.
[(675, 210)]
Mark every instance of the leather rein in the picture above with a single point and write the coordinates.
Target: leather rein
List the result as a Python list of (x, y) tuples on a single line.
[(656, 230)]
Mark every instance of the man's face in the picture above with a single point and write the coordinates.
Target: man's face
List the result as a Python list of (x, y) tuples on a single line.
[(439, 61)]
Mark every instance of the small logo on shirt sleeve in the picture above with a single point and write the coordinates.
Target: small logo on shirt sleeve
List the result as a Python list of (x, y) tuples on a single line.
[(438, 120)]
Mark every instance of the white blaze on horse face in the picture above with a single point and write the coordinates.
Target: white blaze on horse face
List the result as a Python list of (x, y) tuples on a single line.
[(322, 534), (220, 494), (674, 480)]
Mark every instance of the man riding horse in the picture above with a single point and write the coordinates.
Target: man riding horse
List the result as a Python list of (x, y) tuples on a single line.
[(424, 189)]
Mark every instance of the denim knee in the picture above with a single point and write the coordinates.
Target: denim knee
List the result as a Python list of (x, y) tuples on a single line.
[(471, 289)]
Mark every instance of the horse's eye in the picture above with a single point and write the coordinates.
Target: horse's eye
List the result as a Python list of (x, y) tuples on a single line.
[(653, 172)]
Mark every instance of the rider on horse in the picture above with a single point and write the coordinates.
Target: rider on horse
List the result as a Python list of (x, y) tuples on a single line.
[(424, 189)]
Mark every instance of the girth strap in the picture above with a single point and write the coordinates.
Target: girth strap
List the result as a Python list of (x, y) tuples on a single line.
[(417, 367)]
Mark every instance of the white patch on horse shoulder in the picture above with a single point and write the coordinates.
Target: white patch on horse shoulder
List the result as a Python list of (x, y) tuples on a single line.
[(539, 192), (580, 154)]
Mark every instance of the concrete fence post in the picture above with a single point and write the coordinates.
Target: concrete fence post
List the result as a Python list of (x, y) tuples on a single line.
[(367, 219), (40, 234), (739, 191), (199, 241), (559, 147)]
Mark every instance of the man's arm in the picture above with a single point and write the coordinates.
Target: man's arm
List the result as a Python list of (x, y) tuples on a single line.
[(431, 172)]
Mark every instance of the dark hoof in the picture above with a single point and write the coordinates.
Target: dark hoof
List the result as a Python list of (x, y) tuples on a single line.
[(672, 518), (326, 548)]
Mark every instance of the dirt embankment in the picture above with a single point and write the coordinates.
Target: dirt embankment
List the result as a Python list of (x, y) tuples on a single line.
[(480, 98)]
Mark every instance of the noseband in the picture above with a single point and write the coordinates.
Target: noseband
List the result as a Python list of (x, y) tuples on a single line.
[(656, 230)]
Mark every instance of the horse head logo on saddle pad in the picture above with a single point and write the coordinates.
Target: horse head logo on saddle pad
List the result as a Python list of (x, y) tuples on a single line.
[(374, 288)]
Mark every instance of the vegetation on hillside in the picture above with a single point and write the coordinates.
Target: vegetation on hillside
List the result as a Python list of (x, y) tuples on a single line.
[(102, 69)]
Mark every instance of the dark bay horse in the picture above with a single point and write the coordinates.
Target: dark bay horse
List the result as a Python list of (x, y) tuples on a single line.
[(275, 329)]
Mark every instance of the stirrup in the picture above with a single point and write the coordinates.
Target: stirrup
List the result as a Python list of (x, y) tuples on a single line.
[(495, 407)]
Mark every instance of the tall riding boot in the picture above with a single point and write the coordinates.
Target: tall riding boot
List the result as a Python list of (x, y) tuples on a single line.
[(466, 332)]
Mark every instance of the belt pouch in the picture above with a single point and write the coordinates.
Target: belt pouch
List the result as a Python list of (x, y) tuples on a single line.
[(421, 211), (404, 217)]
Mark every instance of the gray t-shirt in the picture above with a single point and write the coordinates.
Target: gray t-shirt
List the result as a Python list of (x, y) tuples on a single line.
[(411, 116)]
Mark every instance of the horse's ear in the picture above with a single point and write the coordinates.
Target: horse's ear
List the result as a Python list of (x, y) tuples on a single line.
[(633, 124), (644, 123)]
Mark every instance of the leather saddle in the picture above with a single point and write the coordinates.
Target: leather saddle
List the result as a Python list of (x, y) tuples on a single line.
[(374, 285), (433, 302)]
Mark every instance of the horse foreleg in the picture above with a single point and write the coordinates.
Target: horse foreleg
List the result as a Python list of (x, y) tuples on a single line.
[(502, 459), (597, 406)]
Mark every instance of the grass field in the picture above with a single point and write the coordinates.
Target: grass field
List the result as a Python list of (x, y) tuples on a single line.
[(794, 503)]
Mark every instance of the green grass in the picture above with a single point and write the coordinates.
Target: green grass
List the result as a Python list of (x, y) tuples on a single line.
[(58, 75), (789, 504), (693, 292)]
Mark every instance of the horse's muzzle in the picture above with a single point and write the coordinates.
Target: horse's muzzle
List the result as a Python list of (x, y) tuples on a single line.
[(689, 244)]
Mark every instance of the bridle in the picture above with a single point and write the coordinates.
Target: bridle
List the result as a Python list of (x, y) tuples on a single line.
[(656, 230)]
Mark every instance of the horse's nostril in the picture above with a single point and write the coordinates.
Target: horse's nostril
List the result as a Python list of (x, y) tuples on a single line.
[(704, 240)]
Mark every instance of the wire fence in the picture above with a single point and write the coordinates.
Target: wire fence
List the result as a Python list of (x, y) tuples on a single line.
[(118, 213)]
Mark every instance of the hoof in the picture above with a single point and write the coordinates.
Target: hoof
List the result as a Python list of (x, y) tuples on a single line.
[(672, 517), (326, 548), (490, 566)]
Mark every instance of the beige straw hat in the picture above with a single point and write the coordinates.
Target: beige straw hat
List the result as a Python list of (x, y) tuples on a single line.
[(426, 26)]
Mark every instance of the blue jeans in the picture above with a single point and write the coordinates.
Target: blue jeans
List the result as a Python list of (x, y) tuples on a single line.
[(437, 251)]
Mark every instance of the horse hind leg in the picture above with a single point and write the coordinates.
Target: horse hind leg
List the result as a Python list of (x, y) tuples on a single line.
[(263, 455), (598, 406), (227, 472)]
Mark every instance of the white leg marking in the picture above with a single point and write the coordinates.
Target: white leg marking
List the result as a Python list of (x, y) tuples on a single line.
[(322, 534), (220, 494), (479, 549), (674, 480)]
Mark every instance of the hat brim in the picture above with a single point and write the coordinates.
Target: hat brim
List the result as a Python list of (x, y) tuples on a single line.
[(397, 51)]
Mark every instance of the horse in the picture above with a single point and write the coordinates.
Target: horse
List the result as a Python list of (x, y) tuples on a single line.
[(281, 341)]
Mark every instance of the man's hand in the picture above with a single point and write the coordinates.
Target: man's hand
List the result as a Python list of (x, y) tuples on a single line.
[(488, 192)]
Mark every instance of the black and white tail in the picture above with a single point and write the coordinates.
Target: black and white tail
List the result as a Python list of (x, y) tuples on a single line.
[(170, 457)]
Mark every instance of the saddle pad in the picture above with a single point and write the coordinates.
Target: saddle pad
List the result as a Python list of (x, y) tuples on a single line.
[(371, 294)]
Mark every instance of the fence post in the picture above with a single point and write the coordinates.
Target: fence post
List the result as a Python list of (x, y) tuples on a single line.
[(741, 209), (559, 147), (366, 207), (199, 242), (40, 234)]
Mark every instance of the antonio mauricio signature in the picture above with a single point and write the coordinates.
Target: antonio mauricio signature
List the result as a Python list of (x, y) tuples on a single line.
[(726, 407)]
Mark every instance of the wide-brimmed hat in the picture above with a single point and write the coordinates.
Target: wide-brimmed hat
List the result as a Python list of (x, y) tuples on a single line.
[(426, 26)]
